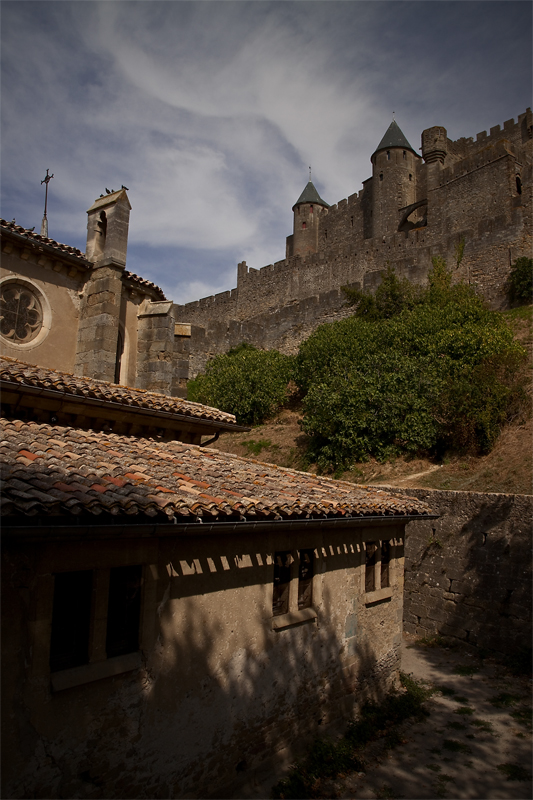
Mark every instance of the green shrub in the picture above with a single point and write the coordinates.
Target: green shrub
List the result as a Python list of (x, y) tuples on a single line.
[(440, 372), (520, 282), (245, 381), (391, 297)]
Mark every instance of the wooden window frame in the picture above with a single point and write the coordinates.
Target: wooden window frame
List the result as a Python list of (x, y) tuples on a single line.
[(295, 615), (379, 592), (98, 666)]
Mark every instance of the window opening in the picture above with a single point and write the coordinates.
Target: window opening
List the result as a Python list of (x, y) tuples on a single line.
[(71, 620), (388, 155), (305, 578), (21, 313), (325, 234), (404, 155), (351, 221), (311, 209), (102, 224), (410, 177), (304, 225), (370, 563), (123, 610), (385, 563), (282, 579), (518, 185), (381, 176), (118, 357)]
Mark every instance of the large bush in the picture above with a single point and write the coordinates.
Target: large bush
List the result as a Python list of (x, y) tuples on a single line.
[(440, 372), (245, 381)]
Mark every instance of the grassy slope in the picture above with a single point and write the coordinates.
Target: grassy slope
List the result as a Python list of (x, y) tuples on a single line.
[(508, 468)]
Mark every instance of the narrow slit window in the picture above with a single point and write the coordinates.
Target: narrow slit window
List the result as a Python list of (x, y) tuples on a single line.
[(518, 184), (71, 620), (370, 567), (381, 176), (123, 610), (305, 579), (404, 155), (304, 226), (282, 579), (385, 564), (388, 155)]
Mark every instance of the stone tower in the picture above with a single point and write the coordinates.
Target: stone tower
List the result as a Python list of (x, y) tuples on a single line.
[(102, 310), (107, 228), (394, 165), (307, 210)]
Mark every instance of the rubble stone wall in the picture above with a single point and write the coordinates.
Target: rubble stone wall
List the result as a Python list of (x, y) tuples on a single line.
[(468, 573)]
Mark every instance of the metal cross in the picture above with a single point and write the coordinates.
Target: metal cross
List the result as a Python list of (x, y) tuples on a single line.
[(44, 224)]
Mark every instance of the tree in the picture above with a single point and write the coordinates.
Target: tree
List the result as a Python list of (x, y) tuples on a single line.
[(439, 373), (245, 381)]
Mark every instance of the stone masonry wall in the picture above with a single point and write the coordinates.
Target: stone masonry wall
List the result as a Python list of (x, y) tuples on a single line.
[(474, 197), (468, 573)]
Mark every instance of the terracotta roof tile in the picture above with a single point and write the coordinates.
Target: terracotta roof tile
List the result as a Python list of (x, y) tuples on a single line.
[(36, 239), (19, 373), (177, 481)]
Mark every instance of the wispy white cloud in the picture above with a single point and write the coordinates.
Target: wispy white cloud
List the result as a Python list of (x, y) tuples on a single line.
[(210, 112)]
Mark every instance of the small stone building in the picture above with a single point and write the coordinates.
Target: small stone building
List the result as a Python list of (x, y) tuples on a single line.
[(85, 313), (171, 614)]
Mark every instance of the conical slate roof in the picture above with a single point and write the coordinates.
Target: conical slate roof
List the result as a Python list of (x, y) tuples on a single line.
[(310, 195), (394, 137)]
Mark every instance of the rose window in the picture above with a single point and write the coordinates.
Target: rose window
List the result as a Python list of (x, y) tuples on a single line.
[(21, 313)]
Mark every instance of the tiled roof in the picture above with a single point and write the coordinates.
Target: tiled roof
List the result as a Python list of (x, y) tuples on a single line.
[(310, 195), (37, 239), (51, 470), (131, 276), (394, 137), (20, 374)]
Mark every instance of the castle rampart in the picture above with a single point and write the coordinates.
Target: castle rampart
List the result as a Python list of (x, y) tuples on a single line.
[(476, 192)]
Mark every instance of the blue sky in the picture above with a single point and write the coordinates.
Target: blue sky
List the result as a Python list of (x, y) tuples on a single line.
[(211, 112)]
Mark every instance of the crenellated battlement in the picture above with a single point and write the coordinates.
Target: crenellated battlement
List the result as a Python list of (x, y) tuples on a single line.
[(473, 191)]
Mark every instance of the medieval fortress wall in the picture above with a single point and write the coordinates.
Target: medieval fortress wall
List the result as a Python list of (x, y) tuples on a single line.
[(411, 209)]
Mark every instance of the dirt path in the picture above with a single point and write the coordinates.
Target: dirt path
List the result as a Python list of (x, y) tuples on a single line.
[(480, 722)]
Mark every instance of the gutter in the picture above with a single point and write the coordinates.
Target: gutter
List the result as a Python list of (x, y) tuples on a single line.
[(175, 529)]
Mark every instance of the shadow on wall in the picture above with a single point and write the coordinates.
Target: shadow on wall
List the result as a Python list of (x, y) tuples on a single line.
[(468, 574), (220, 692)]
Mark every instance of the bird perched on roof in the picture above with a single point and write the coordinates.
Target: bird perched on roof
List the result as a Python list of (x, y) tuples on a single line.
[(125, 187), (107, 191)]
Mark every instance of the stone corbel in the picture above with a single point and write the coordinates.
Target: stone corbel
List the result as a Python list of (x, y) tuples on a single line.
[(154, 308)]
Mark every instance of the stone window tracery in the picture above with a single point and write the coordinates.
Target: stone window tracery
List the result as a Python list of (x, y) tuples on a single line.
[(21, 312)]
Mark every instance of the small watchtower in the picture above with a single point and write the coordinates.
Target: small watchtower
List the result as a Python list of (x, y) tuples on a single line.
[(107, 228), (307, 210), (394, 166)]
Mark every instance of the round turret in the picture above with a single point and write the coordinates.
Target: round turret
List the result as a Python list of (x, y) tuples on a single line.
[(394, 165), (308, 211), (434, 144)]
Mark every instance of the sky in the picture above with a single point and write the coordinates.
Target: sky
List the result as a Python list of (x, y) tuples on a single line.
[(212, 112)]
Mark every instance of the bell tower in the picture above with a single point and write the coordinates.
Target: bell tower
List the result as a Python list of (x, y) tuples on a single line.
[(308, 211), (394, 166), (107, 228)]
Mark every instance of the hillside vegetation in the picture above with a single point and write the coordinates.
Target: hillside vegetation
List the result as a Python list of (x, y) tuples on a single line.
[(417, 381)]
